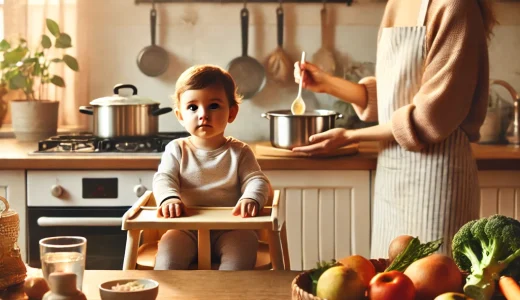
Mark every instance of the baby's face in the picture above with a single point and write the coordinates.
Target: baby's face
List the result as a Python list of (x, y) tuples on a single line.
[(206, 112)]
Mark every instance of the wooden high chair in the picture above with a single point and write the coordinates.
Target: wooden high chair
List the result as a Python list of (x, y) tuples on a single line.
[(144, 230)]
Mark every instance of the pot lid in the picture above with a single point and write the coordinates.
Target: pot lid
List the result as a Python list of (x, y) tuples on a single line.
[(124, 94)]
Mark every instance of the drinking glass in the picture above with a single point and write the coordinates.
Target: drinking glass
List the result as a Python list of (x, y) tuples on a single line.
[(64, 254)]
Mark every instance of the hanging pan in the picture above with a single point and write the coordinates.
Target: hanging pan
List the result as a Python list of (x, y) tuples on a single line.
[(247, 72), (153, 60)]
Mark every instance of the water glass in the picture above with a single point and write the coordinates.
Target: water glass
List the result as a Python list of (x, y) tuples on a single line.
[(64, 254)]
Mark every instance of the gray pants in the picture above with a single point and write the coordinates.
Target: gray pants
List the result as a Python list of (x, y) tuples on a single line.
[(236, 249)]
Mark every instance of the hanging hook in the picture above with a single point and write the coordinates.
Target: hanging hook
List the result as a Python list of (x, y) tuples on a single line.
[(323, 1), (153, 4), (245, 3), (280, 3), (349, 2)]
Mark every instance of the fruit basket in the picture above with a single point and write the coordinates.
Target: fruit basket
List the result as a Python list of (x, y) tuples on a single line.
[(301, 285)]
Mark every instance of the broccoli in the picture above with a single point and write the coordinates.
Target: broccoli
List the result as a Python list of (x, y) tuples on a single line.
[(485, 248)]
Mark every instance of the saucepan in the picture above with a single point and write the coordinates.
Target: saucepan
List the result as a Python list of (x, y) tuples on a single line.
[(288, 131), (123, 115)]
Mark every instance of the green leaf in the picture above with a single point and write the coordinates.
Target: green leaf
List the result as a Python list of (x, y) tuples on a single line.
[(14, 56), (19, 81), (53, 27), (4, 45), (37, 70), (30, 60), (71, 62), (46, 41), (63, 41), (57, 80), (56, 60)]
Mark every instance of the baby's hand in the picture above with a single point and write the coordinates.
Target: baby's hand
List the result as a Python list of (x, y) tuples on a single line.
[(171, 208), (246, 208)]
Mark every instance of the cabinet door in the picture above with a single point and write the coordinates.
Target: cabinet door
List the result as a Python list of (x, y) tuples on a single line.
[(12, 188), (500, 193), (327, 214)]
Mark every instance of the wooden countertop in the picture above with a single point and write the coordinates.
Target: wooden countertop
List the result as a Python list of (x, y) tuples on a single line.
[(194, 285), (15, 155)]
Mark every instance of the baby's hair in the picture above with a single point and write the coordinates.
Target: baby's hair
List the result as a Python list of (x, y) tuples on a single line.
[(202, 76)]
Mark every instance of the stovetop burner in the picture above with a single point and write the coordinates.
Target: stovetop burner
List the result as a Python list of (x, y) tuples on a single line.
[(85, 142)]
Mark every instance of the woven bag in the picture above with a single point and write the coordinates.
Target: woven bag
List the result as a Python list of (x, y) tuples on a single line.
[(12, 268)]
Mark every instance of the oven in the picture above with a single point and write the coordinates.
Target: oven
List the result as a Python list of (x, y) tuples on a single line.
[(86, 203)]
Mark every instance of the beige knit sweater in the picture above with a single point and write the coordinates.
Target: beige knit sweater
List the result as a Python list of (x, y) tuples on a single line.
[(455, 83), (219, 177)]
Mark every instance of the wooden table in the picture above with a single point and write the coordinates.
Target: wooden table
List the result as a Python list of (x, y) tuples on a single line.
[(198, 285)]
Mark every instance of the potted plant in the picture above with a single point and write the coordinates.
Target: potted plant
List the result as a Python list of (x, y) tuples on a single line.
[(34, 116)]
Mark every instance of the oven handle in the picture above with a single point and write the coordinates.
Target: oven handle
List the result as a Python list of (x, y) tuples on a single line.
[(91, 222)]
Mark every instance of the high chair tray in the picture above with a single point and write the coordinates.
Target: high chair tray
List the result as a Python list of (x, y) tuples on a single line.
[(215, 218)]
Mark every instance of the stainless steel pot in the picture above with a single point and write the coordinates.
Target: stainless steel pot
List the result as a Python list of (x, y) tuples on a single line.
[(123, 115), (288, 131)]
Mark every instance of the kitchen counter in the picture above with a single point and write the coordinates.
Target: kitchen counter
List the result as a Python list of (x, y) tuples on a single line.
[(15, 155), (195, 285)]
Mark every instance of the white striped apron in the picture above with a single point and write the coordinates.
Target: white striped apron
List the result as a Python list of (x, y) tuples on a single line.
[(430, 193)]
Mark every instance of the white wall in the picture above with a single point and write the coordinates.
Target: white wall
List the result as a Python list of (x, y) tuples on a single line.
[(210, 33)]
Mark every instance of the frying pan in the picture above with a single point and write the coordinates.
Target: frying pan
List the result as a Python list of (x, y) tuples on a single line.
[(153, 60), (247, 72)]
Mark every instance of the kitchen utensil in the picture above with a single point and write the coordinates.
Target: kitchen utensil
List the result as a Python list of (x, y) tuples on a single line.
[(278, 65), (266, 149), (298, 105), (247, 72), (324, 58), (153, 60), (124, 116), (513, 130), (288, 131)]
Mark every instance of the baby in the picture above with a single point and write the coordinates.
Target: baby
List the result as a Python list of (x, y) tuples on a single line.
[(208, 169)]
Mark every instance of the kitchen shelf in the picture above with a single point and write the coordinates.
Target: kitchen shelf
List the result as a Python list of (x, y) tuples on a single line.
[(348, 2)]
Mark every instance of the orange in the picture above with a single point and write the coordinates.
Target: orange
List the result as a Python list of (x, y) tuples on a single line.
[(361, 265)]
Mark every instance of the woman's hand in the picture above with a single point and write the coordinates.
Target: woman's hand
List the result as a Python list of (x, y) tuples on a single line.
[(327, 141), (314, 79), (246, 208), (171, 208)]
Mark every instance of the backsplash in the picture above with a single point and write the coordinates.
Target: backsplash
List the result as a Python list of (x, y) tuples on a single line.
[(210, 33)]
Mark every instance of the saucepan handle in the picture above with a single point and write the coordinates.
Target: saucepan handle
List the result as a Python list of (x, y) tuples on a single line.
[(161, 111), (86, 110), (264, 115)]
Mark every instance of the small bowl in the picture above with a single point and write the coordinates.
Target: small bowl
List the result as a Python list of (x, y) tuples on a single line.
[(150, 291)]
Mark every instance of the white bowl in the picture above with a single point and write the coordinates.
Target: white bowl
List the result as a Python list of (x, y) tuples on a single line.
[(150, 291)]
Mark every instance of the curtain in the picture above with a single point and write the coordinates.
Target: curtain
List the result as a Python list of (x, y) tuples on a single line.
[(26, 18)]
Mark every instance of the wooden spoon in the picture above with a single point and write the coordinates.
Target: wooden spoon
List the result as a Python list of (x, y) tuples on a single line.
[(298, 105)]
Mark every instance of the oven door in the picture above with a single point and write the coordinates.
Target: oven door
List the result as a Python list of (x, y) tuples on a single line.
[(101, 226)]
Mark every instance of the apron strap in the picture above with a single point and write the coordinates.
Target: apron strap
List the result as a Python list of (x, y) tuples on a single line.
[(422, 12)]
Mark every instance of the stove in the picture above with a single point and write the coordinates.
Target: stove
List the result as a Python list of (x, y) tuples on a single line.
[(87, 143)]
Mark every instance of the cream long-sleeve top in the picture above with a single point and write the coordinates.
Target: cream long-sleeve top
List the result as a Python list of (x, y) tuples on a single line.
[(455, 82), (218, 177)]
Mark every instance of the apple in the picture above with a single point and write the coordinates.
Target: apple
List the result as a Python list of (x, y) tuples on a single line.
[(392, 285)]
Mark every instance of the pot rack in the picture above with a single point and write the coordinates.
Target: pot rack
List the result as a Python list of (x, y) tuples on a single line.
[(347, 2)]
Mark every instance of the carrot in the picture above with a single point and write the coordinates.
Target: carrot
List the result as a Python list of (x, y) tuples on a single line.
[(509, 288)]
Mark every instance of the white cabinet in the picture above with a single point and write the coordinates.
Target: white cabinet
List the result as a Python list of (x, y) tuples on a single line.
[(327, 214), (500, 193), (12, 188)]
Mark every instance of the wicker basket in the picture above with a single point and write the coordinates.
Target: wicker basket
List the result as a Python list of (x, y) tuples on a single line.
[(302, 284), (12, 268)]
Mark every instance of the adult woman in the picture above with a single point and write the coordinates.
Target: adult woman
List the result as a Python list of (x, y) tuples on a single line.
[(430, 99)]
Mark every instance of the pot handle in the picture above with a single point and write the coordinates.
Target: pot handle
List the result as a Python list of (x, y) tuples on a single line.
[(86, 110), (264, 115), (161, 111), (117, 87), (339, 116)]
